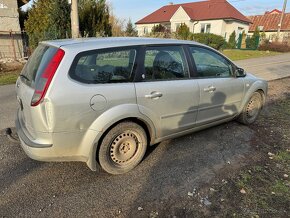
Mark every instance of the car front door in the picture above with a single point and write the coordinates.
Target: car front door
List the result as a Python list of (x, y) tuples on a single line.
[(221, 93), (165, 93)]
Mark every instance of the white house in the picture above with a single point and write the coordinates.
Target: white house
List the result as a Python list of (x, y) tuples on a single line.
[(212, 16)]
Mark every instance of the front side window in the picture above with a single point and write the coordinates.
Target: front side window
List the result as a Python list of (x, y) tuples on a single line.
[(205, 28), (104, 66), (165, 63), (210, 64)]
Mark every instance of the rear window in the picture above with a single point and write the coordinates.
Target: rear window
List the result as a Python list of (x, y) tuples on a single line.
[(111, 66), (36, 64)]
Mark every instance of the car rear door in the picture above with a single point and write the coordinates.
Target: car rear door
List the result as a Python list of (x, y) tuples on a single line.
[(27, 85), (165, 93), (221, 93)]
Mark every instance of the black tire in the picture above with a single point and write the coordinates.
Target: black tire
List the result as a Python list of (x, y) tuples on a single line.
[(252, 109), (123, 148)]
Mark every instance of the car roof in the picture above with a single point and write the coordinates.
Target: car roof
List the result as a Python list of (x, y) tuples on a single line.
[(97, 43)]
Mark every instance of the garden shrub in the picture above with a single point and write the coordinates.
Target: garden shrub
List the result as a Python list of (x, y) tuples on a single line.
[(215, 41), (275, 46)]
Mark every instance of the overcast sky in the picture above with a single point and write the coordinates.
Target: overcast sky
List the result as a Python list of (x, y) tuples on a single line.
[(137, 9)]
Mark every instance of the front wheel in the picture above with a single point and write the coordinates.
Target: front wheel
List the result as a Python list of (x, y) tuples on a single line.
[(122, 148), (252, 109)]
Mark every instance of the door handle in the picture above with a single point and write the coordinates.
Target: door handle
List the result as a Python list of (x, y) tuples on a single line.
[(154, 95), (209, 89)]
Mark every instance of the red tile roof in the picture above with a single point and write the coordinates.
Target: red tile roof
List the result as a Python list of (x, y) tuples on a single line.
[(273, 11), (270, 22), (205, 10)]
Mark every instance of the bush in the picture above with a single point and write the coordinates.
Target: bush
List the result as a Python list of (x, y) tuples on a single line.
[(210, 39), (159, 29), (162, 35), (275, 46), (183, 32)]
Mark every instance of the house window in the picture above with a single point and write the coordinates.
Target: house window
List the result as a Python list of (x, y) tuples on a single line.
[(205, 28), (177, 25), (145, 30)]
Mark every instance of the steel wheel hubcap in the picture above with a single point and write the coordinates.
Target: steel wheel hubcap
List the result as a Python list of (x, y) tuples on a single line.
[(124, 147), (253, 107)]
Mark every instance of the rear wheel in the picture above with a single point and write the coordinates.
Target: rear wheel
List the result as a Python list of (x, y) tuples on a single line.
[(252, 109), (122, 148)]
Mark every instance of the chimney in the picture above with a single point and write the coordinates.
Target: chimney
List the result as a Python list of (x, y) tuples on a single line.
[(170, 3)]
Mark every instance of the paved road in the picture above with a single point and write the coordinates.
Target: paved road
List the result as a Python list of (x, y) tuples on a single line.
[(8, 105), (268, 68)]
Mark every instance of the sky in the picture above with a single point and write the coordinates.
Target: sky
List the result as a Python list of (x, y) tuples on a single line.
[(137, 9)]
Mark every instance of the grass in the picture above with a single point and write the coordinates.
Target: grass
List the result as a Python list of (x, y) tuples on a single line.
[(235, 54), (8, 77), (262, 188)]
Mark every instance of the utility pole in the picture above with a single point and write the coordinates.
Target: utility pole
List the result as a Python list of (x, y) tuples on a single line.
[(281, 19), (75, 29)]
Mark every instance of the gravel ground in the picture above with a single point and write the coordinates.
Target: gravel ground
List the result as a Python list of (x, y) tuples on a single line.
[(171, 169), (159, 186)]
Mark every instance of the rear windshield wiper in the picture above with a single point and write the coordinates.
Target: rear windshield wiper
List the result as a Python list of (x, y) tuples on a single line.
[(25, 77)]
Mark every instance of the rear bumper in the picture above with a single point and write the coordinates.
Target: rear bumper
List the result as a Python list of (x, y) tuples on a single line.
[(32, 148), (65, 146), (23, 136)]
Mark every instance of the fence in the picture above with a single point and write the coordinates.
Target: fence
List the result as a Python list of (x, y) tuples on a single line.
[(13, 44), (247, 42)]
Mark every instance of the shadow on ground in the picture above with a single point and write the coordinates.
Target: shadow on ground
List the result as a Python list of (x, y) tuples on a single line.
[(169, 171)]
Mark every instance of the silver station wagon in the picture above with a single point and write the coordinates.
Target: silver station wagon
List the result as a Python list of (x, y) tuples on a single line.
[(106, 100)]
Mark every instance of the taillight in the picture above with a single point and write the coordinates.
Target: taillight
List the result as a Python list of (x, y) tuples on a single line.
[(44, 82)]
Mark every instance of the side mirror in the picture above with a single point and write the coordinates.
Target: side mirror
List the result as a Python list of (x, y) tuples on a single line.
[(240, 72)]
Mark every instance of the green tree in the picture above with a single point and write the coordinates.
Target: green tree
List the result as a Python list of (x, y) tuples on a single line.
[(253, 41), (47, 19), (183, 32), (130, 29), (94, 18), (61, 17), (232, 40)]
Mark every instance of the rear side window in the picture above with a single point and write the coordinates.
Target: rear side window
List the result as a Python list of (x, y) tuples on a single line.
[(104, 66), (37, 64)]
